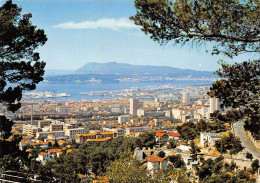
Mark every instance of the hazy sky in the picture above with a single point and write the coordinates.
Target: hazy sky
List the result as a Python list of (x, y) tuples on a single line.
[(81, 31)]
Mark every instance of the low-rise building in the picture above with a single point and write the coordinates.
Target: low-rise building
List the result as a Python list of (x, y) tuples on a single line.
[(43, 157), (80, 138), (56, 134), (30, 130), (155, 163), (130, 130), (174, 135), (209, 139), (72, 132)]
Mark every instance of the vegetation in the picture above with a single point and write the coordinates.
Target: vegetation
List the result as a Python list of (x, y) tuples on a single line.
[(20, 66), (176, 160), (249, 156), (239, 89), (194, 149), (128, 170), (224, 177), (231, 143), (215, 171), (20, 70), (146, 139), (189, 131), (255, 165), (161, 154), (171, 144), (189, 21)]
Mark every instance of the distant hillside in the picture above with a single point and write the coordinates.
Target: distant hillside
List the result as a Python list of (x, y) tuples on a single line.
[(141, 70)]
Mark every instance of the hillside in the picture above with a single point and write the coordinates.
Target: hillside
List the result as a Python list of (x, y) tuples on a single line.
[(141, 70)]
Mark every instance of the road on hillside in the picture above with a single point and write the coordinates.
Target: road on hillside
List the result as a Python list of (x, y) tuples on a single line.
[(241, 134)]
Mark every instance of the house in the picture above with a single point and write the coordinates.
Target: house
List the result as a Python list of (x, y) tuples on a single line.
[(189, 162), (97, 136), (139, 154), (43, 157), (55, 152), (174, 135), (184, 147), (155, 163), (209, 139)]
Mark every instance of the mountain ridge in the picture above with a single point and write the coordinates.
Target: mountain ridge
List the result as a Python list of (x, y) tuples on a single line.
[(129, 69)]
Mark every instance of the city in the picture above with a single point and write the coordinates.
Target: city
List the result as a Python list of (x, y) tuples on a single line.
[(133, 91), (52, 126)]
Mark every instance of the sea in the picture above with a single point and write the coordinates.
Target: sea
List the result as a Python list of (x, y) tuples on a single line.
[(76, 90)]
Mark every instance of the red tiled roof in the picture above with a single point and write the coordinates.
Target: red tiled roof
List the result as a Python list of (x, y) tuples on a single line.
[(42, 153), (159, 134), (160, 131), (174, 134), (154, 159)]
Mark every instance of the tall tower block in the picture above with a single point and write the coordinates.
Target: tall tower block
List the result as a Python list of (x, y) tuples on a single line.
[(133, 106), (214, 104), (186, 97)]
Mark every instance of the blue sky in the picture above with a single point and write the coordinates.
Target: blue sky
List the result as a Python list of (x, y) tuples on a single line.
[(82, 31)]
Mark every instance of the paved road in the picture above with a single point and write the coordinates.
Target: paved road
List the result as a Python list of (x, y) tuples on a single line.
[(241, 134)]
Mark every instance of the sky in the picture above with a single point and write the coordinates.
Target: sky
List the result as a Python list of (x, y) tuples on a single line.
[(82, 31)]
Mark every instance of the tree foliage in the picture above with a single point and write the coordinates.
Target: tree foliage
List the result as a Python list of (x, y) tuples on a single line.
[(239, 88), (20, 70), (20, 66), (231, 143), (255, 165), (176, 160), (232, 25), (146, 139), (194, 150), (171, 144), (249, 156), (189, 131), (209, 167)]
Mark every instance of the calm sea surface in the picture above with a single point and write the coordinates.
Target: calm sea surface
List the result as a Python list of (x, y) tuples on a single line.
[(75, 89)]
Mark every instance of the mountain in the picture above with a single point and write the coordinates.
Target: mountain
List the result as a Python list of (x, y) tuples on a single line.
[(116, 72), (141, 70)]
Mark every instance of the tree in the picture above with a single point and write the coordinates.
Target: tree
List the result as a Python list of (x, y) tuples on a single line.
[(176, 160), (128, 170), (255, 165), (20, 69), (229, 142), (161, 154), (20, 66), (194, 150), (171, 144), (146, 139), (188, 131), (249, 156), (239, 89), (202, 21)]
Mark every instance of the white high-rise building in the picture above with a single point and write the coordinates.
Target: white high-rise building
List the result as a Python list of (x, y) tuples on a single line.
[(133, 106), (186, 97), (214, 104)]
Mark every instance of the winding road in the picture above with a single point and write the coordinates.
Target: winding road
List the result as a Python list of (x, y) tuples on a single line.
[(241, 134)]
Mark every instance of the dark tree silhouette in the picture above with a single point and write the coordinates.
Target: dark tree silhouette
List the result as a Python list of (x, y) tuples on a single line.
[(20, 70), (233, 26), (20, 66)]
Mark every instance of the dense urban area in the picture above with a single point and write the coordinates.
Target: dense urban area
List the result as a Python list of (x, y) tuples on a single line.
[(203, 130), (170, 137)]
